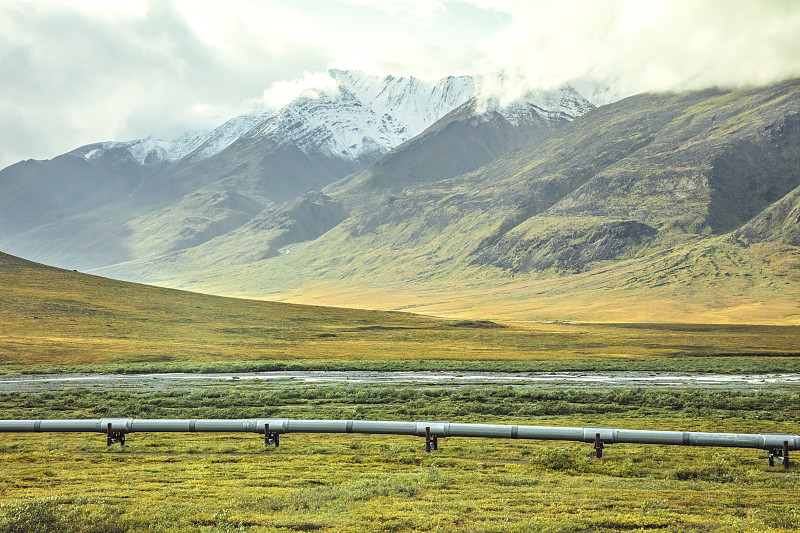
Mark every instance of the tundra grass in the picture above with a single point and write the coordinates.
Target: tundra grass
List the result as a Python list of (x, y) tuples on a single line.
[(56, 320), (208, 482)]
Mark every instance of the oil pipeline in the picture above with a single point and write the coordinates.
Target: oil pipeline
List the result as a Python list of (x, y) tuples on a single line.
[(116, 429)]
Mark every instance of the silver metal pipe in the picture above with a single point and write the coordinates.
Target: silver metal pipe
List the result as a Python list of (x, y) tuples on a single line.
[(764, 441)]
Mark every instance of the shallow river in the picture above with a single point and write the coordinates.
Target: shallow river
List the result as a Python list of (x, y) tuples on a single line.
[(589, 380)]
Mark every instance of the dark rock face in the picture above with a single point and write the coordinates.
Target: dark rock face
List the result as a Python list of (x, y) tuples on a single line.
[(779, 223), (571, 250), (752, 174), (303, 219)]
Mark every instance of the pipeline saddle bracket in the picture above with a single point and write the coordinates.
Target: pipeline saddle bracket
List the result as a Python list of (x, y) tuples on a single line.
[(781, 455), (113, 437)]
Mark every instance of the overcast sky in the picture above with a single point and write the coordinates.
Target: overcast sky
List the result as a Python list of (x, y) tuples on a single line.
[(74, 72)]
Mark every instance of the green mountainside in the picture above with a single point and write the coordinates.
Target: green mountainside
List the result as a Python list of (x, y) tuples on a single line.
[(647, 196)]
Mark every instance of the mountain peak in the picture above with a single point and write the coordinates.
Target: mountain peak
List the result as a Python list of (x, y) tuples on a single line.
[(367, 116)]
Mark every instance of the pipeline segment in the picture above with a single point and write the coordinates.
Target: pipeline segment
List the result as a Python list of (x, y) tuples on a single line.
[(762, 441), (116, 429)]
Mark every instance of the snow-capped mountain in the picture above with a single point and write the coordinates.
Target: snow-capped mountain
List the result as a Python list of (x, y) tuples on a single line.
[(408, 105), (207, 144), (358, 117), (364, 116), (552, 107), (473, 134), (191, 146), (148, 195)]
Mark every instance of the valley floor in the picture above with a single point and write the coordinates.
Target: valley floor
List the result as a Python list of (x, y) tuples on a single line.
[(207, 482)]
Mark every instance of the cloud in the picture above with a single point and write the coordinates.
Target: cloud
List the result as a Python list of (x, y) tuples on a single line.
[(282, 92), (418, 9), (81, 72), (647, 46)]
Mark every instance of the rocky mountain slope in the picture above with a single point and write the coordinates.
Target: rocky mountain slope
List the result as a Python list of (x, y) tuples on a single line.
[(683, 203), (472, 135)]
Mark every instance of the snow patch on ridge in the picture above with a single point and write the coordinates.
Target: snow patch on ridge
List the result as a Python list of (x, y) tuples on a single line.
[(358, 116), (143, 151), (551, 106), (192, 146), (367, 116)]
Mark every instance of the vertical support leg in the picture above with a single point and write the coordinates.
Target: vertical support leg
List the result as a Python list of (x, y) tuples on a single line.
[(435, 443), (780, 455), (786, 454), (114, 436), (271, 437), (428, 439), (598, 446)]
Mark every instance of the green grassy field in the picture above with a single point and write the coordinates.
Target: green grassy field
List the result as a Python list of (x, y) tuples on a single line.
[(208, 482)]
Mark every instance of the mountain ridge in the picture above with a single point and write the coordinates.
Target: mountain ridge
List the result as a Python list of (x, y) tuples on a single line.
[(682, 200), (59, 210), (629, 193)]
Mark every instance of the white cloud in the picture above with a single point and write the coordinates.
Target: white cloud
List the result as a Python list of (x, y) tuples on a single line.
[(282, 92), (420, 9), (80, 71), (248, 29), (648, 46), (105, 8)]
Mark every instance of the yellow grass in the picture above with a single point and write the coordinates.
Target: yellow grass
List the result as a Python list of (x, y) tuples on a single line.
[(51, 318)]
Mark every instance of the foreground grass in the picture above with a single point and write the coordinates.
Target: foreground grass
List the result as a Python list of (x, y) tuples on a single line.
[(207, 482), (57, 320), (54, 321)]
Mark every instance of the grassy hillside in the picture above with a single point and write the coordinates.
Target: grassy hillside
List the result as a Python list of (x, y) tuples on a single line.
[(58, 320), (699, 280)]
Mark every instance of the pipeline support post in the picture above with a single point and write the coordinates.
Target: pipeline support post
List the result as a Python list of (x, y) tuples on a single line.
[(786, 454), (780, 454), (271, 438), (431, 442), (598, 446), (113, 437)]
